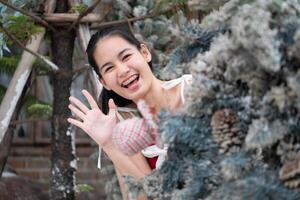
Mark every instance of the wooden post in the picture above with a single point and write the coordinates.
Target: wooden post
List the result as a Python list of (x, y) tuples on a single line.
[(20, 77), (71, 17), (6, 143), (17, 83)]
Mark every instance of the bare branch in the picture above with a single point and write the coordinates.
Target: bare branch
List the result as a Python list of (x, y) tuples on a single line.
[(87, 11), (13, 38), (78, 72), (35, 18), (123, 21), (71, 17), (81, 69), (130, 27)]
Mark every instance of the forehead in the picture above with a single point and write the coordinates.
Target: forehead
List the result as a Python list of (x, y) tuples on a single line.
[(112, 43)]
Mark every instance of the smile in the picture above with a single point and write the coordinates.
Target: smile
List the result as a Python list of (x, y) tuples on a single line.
[(130, 81)]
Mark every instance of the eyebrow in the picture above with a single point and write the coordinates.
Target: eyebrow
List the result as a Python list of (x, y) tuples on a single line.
[(119, 55)]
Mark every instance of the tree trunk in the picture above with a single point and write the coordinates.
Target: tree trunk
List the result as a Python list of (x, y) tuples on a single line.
[(63, 152)]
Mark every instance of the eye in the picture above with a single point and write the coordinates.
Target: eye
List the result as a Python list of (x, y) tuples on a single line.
[(126, 57), (108, 69)]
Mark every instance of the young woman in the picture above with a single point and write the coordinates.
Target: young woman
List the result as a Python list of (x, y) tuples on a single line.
[(123, 65)]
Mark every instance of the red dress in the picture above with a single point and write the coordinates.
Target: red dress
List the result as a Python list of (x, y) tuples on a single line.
[(152, 162)]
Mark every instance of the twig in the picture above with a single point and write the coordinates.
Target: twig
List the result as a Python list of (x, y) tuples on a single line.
[(87, 11), (81, 69), (130, 27), (13, 38), (35, 18), (78, 71), (123, 21)]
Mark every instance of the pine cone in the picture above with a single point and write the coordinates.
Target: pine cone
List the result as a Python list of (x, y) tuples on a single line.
[(225, 131), (288, 149), (289, 173)]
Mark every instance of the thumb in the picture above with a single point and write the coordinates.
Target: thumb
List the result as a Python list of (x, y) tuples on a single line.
[(112, 107)]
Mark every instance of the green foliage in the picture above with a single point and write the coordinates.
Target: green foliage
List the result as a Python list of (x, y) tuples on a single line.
[(41, 67), (83, 188), (34, 108), (2, 92), (6, 13), (39, 110), (8, 65), (78, 8), (21, 27)]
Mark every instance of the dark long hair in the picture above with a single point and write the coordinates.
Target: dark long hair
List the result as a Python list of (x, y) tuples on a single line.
[(101, 33)]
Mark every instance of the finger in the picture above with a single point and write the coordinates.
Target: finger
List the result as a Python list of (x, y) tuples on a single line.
[(76, 111), (112, 107), (79, 104), (90, 99), (75, 122)]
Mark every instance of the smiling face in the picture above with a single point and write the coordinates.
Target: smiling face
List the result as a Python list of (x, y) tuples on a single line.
[(123, 67)]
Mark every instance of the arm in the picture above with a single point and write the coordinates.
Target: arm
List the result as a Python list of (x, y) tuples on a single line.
[(99, 127), (135, 166)]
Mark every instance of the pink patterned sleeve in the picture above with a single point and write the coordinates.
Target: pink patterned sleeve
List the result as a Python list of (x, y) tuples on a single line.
[(133, 135)]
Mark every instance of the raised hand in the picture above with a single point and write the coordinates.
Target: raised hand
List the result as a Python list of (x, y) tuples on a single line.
[(91, 120)]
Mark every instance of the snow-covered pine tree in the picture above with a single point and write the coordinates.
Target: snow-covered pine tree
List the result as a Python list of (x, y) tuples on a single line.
[(251, 68)]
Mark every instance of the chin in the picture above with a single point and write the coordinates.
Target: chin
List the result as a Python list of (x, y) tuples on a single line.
[(137, 96)]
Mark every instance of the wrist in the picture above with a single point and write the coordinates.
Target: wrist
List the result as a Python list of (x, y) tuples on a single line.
[(108, 145)]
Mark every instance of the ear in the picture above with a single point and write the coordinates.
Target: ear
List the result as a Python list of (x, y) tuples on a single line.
[(104, 84), (145, 52)]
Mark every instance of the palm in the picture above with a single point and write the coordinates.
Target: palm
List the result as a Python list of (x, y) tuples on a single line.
[(97, 125)]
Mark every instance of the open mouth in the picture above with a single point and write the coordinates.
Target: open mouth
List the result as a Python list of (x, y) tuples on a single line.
[(130, 81)]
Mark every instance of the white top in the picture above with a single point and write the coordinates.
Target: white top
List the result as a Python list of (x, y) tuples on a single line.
[(153, 151)]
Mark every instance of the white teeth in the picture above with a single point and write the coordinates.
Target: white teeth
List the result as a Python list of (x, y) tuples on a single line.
[(132, 78)]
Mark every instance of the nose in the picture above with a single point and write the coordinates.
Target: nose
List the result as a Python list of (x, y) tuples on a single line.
[(123, 69)]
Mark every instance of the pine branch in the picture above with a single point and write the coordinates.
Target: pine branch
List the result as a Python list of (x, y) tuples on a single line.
[(33, 106), (9, 64), (89, 10), (13, 38), (35, 18), (39, 109)]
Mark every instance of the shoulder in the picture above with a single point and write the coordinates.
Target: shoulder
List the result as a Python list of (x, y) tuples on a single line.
[(127, 113), (187, 78)]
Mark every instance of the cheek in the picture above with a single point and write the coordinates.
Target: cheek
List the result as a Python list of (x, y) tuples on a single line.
[(109, 80)]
